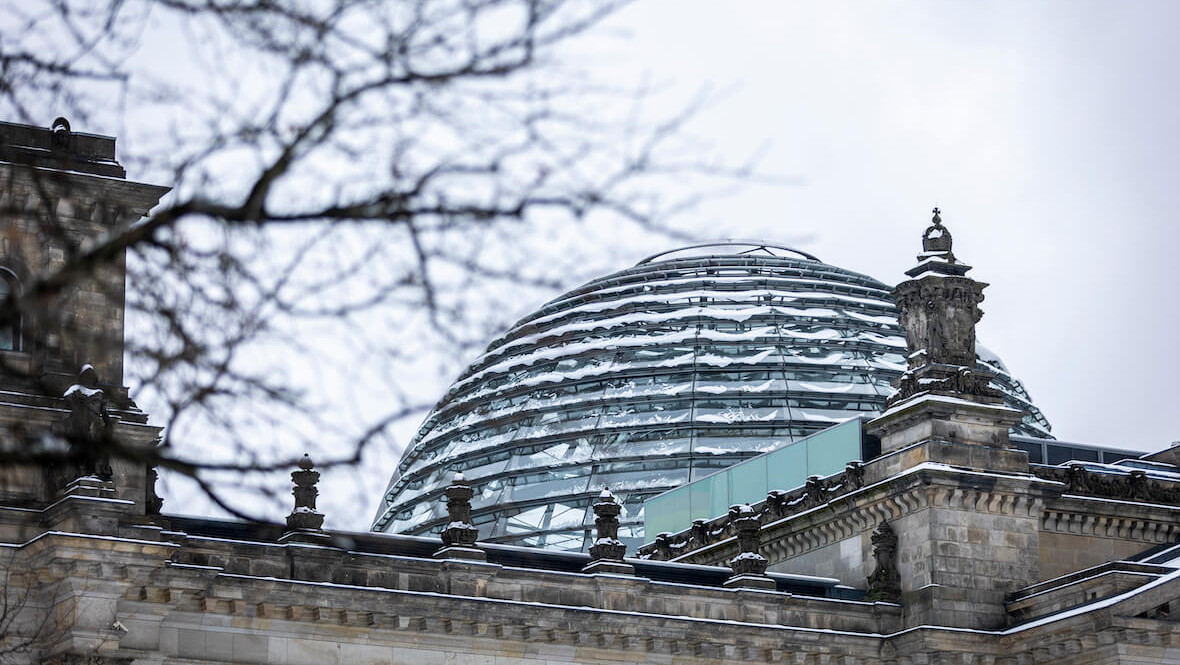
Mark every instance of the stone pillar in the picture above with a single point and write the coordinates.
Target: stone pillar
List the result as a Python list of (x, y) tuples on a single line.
[(305, 523), (606, 554), (749, 566), (969, 530), (460, 534)]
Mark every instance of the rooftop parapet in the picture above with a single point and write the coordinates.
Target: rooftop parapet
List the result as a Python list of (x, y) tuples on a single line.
[(58, 147)]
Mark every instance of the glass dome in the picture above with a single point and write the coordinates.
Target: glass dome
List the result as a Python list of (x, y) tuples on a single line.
[(640, 381)]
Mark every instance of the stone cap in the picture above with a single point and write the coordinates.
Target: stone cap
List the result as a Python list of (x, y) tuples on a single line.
[(57, 147), (937, 257)]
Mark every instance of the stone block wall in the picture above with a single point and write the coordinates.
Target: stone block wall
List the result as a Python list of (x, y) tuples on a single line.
[(46, 219), (963, 553)]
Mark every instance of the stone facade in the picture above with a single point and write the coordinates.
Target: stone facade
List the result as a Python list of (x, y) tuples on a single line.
[(947, 548), (60, 192)]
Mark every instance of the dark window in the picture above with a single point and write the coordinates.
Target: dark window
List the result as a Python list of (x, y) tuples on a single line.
[(1062, 454), (10, 320), (1035, 454), (1112, 457)]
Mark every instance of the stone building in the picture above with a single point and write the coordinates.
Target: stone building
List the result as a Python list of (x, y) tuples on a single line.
[(948, 546)]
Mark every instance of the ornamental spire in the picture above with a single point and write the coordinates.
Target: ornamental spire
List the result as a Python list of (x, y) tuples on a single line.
[(936, 256), (606, 554), (939, 308), (749, 566), (305, 515), (305, 523), (460, 534), (936, 238)]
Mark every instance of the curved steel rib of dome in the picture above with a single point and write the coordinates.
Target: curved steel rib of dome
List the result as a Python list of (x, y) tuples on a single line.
[(645, 379)]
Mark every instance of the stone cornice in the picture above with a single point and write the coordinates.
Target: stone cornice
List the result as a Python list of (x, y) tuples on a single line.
[(1112, 518), (856, 511)]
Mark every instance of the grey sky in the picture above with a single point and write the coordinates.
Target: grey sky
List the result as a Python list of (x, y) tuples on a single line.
[(1045, 131)]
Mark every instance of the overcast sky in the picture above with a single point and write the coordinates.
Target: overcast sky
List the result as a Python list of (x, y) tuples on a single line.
[(1045, 131)]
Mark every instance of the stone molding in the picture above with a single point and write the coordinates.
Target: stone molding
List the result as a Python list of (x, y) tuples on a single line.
[(85, 198), (860, 511), (1150, 524), (146, 593), (1135, 485), (1106, 509), (334, 614)]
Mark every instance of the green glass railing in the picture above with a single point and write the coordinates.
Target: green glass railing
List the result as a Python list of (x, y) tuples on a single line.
[(821, 454)]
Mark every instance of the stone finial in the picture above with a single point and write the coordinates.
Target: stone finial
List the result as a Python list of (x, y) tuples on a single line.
[(885, 582), (749, 567), (606, 554), (815, 492), (938, 309), (936, 239), (60, 134), (854, 475), (460, 534), (305, 517)]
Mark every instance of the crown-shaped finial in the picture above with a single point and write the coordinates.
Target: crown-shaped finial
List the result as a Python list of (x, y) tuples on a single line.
[(937, 239)]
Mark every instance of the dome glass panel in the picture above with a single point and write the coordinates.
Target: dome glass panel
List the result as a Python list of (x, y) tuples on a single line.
[(651, 377)]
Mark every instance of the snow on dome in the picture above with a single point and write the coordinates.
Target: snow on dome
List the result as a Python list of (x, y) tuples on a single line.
[(640, 381)]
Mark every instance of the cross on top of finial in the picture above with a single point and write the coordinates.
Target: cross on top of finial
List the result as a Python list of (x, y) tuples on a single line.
[(937, 239)]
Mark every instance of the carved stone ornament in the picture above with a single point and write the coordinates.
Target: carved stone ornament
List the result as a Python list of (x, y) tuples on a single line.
[(60, 134), (938, 310), (854, 475), (607, 545), (939, 314), (305, 517), (946, 380), (87, 428), (154, 502), (459, 532), (936, 238), (607, 552), (1135, 485), (748, 561), (885, 582), (815, 492)]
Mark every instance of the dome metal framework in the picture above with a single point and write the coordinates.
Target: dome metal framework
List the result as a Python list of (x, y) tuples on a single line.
[(651, 377)]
